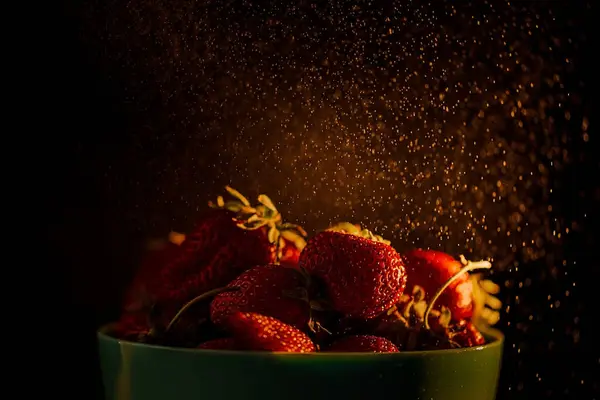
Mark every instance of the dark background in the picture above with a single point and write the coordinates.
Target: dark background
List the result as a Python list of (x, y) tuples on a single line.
[(389, 114)]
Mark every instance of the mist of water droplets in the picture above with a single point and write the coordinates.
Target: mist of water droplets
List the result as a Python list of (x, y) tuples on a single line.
[(438, 125)]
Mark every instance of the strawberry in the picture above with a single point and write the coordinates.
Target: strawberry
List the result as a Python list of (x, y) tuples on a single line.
[(258, 332), (219, 344), (131, 326), (264, 290), (290, 254), (430, 269), (159, 253), (229, 240), (363, 343), (363, 275)]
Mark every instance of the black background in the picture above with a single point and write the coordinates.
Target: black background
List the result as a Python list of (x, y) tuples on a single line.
[(119, 139)]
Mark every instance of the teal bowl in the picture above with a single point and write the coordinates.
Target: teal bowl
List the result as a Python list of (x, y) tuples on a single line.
[(134, 371)]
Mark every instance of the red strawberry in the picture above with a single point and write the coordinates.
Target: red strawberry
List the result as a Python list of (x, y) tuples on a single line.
[(467, 335), (226, 242), (430, 269), (290, 253), (363, 343), (159, 253), (363, 275), (131, 326), (264, 290), (261, 333), (219, 344)]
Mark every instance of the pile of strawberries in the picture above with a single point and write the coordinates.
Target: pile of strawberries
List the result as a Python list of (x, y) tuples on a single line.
[(245, 280)]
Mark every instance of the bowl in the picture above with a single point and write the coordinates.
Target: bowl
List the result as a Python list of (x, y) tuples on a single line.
[(135, 371)]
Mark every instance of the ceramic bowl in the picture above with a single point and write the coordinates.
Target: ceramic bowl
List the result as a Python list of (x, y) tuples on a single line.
[(134, 371)]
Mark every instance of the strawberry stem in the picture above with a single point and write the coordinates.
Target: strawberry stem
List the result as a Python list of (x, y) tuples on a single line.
[(195, 300), (468, 266)]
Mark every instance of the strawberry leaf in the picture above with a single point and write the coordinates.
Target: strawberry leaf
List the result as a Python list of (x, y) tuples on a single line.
[(237, 195), (346, 227), (294, 228), (266, 201), (293, 237), (418, 293), (273, 235), (486, 304), (233, 206), (445, 317)]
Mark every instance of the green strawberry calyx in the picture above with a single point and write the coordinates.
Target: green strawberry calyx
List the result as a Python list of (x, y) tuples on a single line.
[(412, 309), (414, 316), (407, 318), (264, 214), (486, 305), (481, 297), (355, 229)]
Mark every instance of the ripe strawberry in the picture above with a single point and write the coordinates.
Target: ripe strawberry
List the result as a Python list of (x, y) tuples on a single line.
[(363, 343), (265, 290), (430, 269), (226, 242), (131, 326), (290, 254), (261, 333), (363, 275), (159, 253), (219, 344)]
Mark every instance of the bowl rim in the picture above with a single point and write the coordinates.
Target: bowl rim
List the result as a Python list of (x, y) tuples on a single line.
[(496, 336)]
